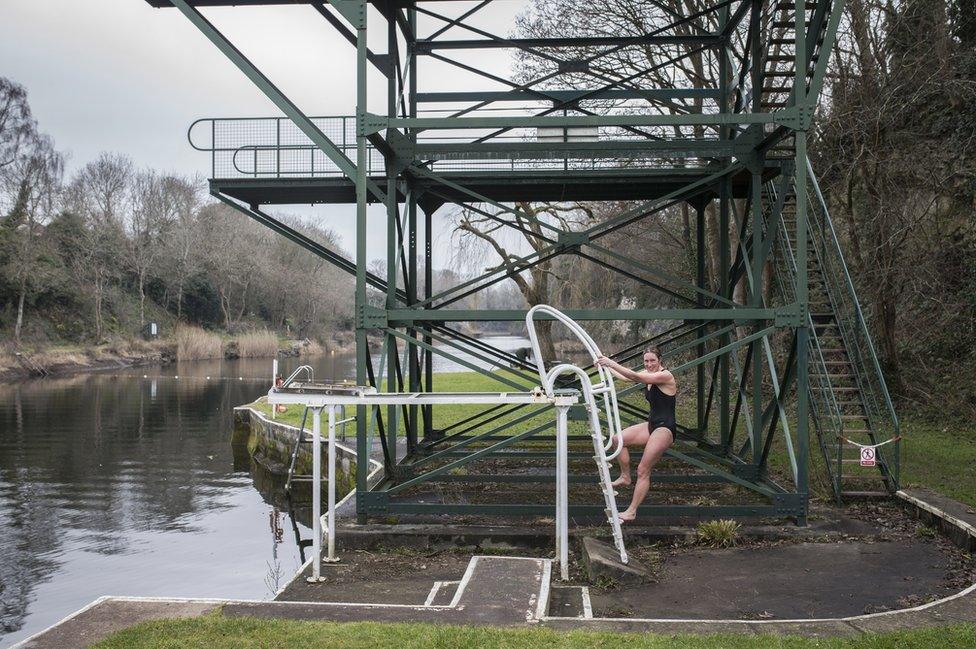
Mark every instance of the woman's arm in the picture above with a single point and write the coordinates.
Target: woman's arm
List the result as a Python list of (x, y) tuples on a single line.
[(648, 378), (618, 374)]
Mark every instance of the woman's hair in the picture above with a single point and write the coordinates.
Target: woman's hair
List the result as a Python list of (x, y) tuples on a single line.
[(656, 351)]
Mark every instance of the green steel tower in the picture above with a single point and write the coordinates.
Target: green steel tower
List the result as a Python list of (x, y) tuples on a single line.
[(786, 360)]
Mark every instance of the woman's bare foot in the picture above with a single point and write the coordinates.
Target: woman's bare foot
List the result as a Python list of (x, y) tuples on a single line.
[(626, 516), (622, 481)]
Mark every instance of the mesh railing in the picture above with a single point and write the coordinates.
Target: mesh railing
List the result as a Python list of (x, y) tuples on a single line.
[(275, 147)]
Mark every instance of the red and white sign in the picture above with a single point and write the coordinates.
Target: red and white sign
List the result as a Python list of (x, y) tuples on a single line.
[(867, 456)]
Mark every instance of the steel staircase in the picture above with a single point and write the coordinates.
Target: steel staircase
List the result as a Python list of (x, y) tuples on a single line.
[(779, 63), (849, 401)]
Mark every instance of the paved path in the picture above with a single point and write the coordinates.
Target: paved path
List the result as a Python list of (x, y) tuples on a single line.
[(515, 591), (495, 591)]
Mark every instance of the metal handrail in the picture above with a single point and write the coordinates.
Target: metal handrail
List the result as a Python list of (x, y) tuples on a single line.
[(857, 305), (606, 384), (301, 368)]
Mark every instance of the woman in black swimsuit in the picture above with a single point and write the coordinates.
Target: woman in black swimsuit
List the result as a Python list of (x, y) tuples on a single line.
[(657, 434)]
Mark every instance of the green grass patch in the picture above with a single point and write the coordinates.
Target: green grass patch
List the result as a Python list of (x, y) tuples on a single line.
[(216, 632), (940, 458)]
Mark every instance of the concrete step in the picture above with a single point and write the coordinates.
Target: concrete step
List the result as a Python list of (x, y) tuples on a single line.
[(603, 561)]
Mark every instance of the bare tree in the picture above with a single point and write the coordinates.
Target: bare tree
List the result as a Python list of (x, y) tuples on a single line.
[(159, 203), (895, 151), (529, 221), (17, 125), (99, 192), (34, 177), (183, 242), (636, 67)]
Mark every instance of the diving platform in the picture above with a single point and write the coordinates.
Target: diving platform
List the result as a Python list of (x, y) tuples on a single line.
[(500, 186)]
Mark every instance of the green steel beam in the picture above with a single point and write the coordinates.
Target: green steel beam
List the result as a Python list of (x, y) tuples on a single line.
[(474, 455), (409, 316), (380, 505), (525, 150), (568, 95), (426, 46), (377, 123)]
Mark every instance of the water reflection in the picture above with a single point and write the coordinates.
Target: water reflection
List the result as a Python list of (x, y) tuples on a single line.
[(127, 484), (119, 484)]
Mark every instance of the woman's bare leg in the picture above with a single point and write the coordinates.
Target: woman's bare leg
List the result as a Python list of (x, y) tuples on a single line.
[(658, 443), (636, 434)]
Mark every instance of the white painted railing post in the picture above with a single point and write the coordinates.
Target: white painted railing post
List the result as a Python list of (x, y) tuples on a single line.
[(274, 384), (332, 558), (316, 495), (562, 490)]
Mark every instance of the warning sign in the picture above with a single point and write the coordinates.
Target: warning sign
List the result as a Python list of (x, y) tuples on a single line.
[(867, 456)]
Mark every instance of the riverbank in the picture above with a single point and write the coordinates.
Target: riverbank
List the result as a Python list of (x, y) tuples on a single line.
[(58, 360)]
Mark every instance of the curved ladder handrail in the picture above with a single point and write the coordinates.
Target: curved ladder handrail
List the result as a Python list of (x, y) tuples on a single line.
[(606, 384), (301, 368)]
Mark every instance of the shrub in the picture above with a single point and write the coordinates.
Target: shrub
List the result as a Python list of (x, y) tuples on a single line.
[(193, 343), (257, 344), (720, 534)]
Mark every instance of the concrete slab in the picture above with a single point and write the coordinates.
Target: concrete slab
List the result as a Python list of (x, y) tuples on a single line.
[(960, 609), (806, 580), (496, 591), (503, 590), (566, 601), (404, 576), (444, 593), (107, 616), (602, 561)]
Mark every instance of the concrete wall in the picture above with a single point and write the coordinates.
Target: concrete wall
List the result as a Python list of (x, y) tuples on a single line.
[(270, 443)]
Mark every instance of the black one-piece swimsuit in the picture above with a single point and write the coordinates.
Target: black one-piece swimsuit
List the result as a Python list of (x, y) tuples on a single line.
[(662, 409)]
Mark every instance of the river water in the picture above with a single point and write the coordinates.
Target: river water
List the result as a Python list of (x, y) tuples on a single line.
[(125, 483)]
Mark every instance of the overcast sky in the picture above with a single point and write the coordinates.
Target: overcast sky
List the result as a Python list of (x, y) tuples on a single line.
[(121, 76)]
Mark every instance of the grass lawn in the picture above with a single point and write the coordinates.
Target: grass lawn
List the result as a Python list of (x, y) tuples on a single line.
[(215, 632), (934, 456)]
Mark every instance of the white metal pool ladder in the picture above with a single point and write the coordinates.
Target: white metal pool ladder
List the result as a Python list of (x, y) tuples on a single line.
[(603, 388)]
